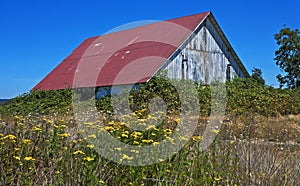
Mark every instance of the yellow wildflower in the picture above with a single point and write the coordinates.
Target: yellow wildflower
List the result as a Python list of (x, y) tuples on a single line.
[(17, 149), (170, 139), (196, 138), (26, 141), (63, 126), (136, 134), (9, 136), (217, 178), (215, 131), (89, 123), (100, 129), (64, 135), (168, 131), (183, 138), (36, 129), (177, 120), (109, 128), (17, 157), (88, 158), (118, 149), (150, 127), (147, 141), (124, 135), (90, 146), (101, 181), (117, 127), (136, 142), (47, 120), (126, 157), (141, 120), (92, 136), (29, 158), (135, 151), (155, 143), (78, 152)]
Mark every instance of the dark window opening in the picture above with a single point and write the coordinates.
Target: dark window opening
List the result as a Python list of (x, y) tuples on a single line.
[(228, 72)]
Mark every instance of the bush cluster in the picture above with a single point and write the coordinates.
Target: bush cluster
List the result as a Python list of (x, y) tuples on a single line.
[(247, 96), (243, 97)]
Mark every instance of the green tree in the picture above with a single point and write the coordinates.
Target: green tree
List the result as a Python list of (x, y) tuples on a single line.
[(257, 76), (287, 57)]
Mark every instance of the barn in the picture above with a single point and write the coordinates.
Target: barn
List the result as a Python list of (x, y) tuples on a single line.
[(191, 47)]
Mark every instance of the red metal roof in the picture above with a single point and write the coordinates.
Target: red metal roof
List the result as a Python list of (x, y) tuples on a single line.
[(125, 57)]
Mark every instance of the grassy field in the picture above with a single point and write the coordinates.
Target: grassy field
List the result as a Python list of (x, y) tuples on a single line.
[(41, 144)]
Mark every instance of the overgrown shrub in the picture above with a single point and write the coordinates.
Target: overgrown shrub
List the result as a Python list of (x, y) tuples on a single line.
[(244, 97), (38, 103)]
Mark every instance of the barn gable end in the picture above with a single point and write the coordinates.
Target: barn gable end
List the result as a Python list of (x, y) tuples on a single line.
[(205, 57)]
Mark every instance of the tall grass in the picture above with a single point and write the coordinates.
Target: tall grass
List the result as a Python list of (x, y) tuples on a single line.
[(46, 152)]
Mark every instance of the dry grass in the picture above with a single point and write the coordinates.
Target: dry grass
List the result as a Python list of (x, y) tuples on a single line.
[(247, 151), (284, 129), (268, 164)]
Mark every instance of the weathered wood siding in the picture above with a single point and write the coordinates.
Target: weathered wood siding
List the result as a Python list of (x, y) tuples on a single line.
[(207, 59)]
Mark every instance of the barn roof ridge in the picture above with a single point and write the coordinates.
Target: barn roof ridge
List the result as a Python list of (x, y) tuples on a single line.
[(146, 25)]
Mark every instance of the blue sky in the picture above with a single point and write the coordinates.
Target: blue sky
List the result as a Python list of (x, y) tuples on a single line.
[(37, 35)]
